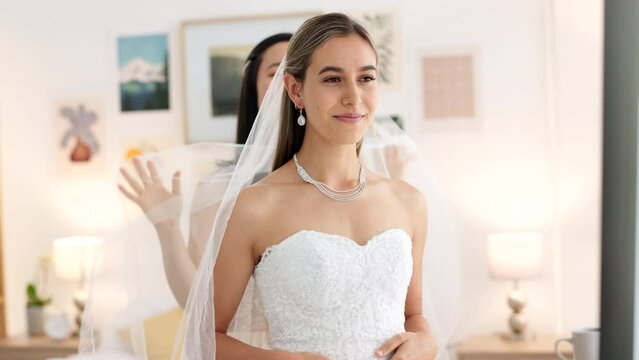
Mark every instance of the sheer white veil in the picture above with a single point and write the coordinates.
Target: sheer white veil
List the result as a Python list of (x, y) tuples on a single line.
[(213, 175), (387, 151)]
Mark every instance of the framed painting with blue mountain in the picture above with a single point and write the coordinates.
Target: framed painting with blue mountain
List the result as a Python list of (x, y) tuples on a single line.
[(143, 64)]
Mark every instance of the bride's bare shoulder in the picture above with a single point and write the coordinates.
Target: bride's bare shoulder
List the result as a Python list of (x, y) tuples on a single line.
[(269, 190), (408, 195)]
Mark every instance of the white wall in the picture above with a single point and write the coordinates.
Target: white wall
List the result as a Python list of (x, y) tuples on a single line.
[(533, 164), (579, 134)]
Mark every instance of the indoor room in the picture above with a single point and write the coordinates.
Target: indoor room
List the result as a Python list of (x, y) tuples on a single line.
[(149, 151)]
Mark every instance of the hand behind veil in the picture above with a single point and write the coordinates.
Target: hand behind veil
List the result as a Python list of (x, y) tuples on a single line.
[(149, 192)]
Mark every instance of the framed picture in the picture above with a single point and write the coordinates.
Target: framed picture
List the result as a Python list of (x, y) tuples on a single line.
[(448, 91), (383, 27), (80, 135), (213, 55), (143, 72), (132, 147)]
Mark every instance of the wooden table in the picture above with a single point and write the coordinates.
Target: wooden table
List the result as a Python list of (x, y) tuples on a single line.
[(36, 348), (492, 347)]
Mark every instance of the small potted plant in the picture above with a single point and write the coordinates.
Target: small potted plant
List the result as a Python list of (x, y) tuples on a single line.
[(35, 311)]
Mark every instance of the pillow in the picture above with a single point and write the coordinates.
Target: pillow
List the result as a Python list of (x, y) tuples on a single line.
[(159, 334), (104, 355)]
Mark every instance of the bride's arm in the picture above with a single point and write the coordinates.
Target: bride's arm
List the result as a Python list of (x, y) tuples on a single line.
[(418, 340), (233, 268), (415, 321)]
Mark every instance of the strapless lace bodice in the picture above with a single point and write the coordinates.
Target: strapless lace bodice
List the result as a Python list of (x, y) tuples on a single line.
[(326, 294)]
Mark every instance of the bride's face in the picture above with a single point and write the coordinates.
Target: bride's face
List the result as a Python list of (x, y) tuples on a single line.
[(339, 93)]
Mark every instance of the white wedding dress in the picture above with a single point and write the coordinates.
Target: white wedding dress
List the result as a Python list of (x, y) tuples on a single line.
[(326, 294)]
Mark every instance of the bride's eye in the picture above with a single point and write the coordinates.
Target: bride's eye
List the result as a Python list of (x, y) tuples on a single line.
[(368, 78), (332, 79)]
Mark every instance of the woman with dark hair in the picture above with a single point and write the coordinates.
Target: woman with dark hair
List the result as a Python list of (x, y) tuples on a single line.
[(180, 262), (260, 67)]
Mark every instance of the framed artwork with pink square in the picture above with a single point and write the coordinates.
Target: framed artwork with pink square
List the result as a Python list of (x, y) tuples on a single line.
[(449, 91)]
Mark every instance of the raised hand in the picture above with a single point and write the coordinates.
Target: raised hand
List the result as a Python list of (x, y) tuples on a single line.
[(148, 192), (410, 345)]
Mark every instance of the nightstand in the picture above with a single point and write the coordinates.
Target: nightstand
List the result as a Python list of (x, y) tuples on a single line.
[(494, 348), (36, 348)]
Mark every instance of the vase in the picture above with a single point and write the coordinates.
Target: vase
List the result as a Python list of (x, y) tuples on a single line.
[(35, 320), (81, 152)]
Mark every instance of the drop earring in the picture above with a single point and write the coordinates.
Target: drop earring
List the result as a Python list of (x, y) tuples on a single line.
[(301, 120)]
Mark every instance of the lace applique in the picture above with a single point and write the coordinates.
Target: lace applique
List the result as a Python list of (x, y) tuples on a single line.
[(264, 255), (326, 294)]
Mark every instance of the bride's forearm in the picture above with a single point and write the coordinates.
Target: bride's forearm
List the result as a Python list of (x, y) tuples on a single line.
[(178, 265), (416, 323), (227, 347)]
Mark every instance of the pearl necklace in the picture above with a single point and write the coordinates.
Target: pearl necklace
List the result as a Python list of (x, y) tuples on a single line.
[(337, 195)]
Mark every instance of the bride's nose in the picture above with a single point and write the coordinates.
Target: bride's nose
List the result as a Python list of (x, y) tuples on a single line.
[(351, 93)]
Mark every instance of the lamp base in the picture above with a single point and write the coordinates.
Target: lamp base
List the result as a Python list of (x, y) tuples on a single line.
[(79, 300), (512, 337)]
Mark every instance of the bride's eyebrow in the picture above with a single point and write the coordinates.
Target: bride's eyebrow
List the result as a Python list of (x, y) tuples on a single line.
[(340, 70)]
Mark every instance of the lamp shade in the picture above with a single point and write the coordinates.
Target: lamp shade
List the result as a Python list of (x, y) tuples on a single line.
[(515, 255), (73, 256)]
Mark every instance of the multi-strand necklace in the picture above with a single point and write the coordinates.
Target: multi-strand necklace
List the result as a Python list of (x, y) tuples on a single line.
[(337, 195)]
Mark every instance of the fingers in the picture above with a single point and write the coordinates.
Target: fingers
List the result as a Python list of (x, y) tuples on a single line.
[(175, 184), (392, 344), (155, 177), (128, 194), (132, 182), (141, 172)]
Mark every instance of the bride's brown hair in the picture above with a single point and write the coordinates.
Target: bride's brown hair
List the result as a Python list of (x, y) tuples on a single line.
[(313, 33)]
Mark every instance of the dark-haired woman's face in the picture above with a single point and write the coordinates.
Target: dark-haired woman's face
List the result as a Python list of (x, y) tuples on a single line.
[(270, 61)]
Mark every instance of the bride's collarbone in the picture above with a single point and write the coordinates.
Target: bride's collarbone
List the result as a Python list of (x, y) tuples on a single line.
[(286, 208), (358, 239), (358, 224)]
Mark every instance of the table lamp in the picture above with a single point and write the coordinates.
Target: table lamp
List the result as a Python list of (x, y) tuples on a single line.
[(73, 259), (515, 256)]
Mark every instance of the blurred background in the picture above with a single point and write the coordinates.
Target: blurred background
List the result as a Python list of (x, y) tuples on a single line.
[(504, 99)]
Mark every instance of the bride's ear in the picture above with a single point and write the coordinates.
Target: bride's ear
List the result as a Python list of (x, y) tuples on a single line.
[(294, 89)]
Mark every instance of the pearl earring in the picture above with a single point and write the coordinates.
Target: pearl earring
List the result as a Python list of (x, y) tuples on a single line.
[(301, 120)]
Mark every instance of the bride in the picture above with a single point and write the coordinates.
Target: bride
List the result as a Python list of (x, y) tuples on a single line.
[(346, 280), (334, 249)]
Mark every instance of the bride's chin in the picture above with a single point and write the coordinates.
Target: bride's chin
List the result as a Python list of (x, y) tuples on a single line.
[(351, 140)]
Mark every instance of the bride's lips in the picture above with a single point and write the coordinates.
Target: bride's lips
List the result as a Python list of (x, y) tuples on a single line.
[(349, 118)]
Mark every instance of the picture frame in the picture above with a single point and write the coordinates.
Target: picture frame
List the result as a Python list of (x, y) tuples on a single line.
[(80, 137), (143, 72), (383, 25), (205, 117), (133, 146), (448, 88), (3, 301)]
